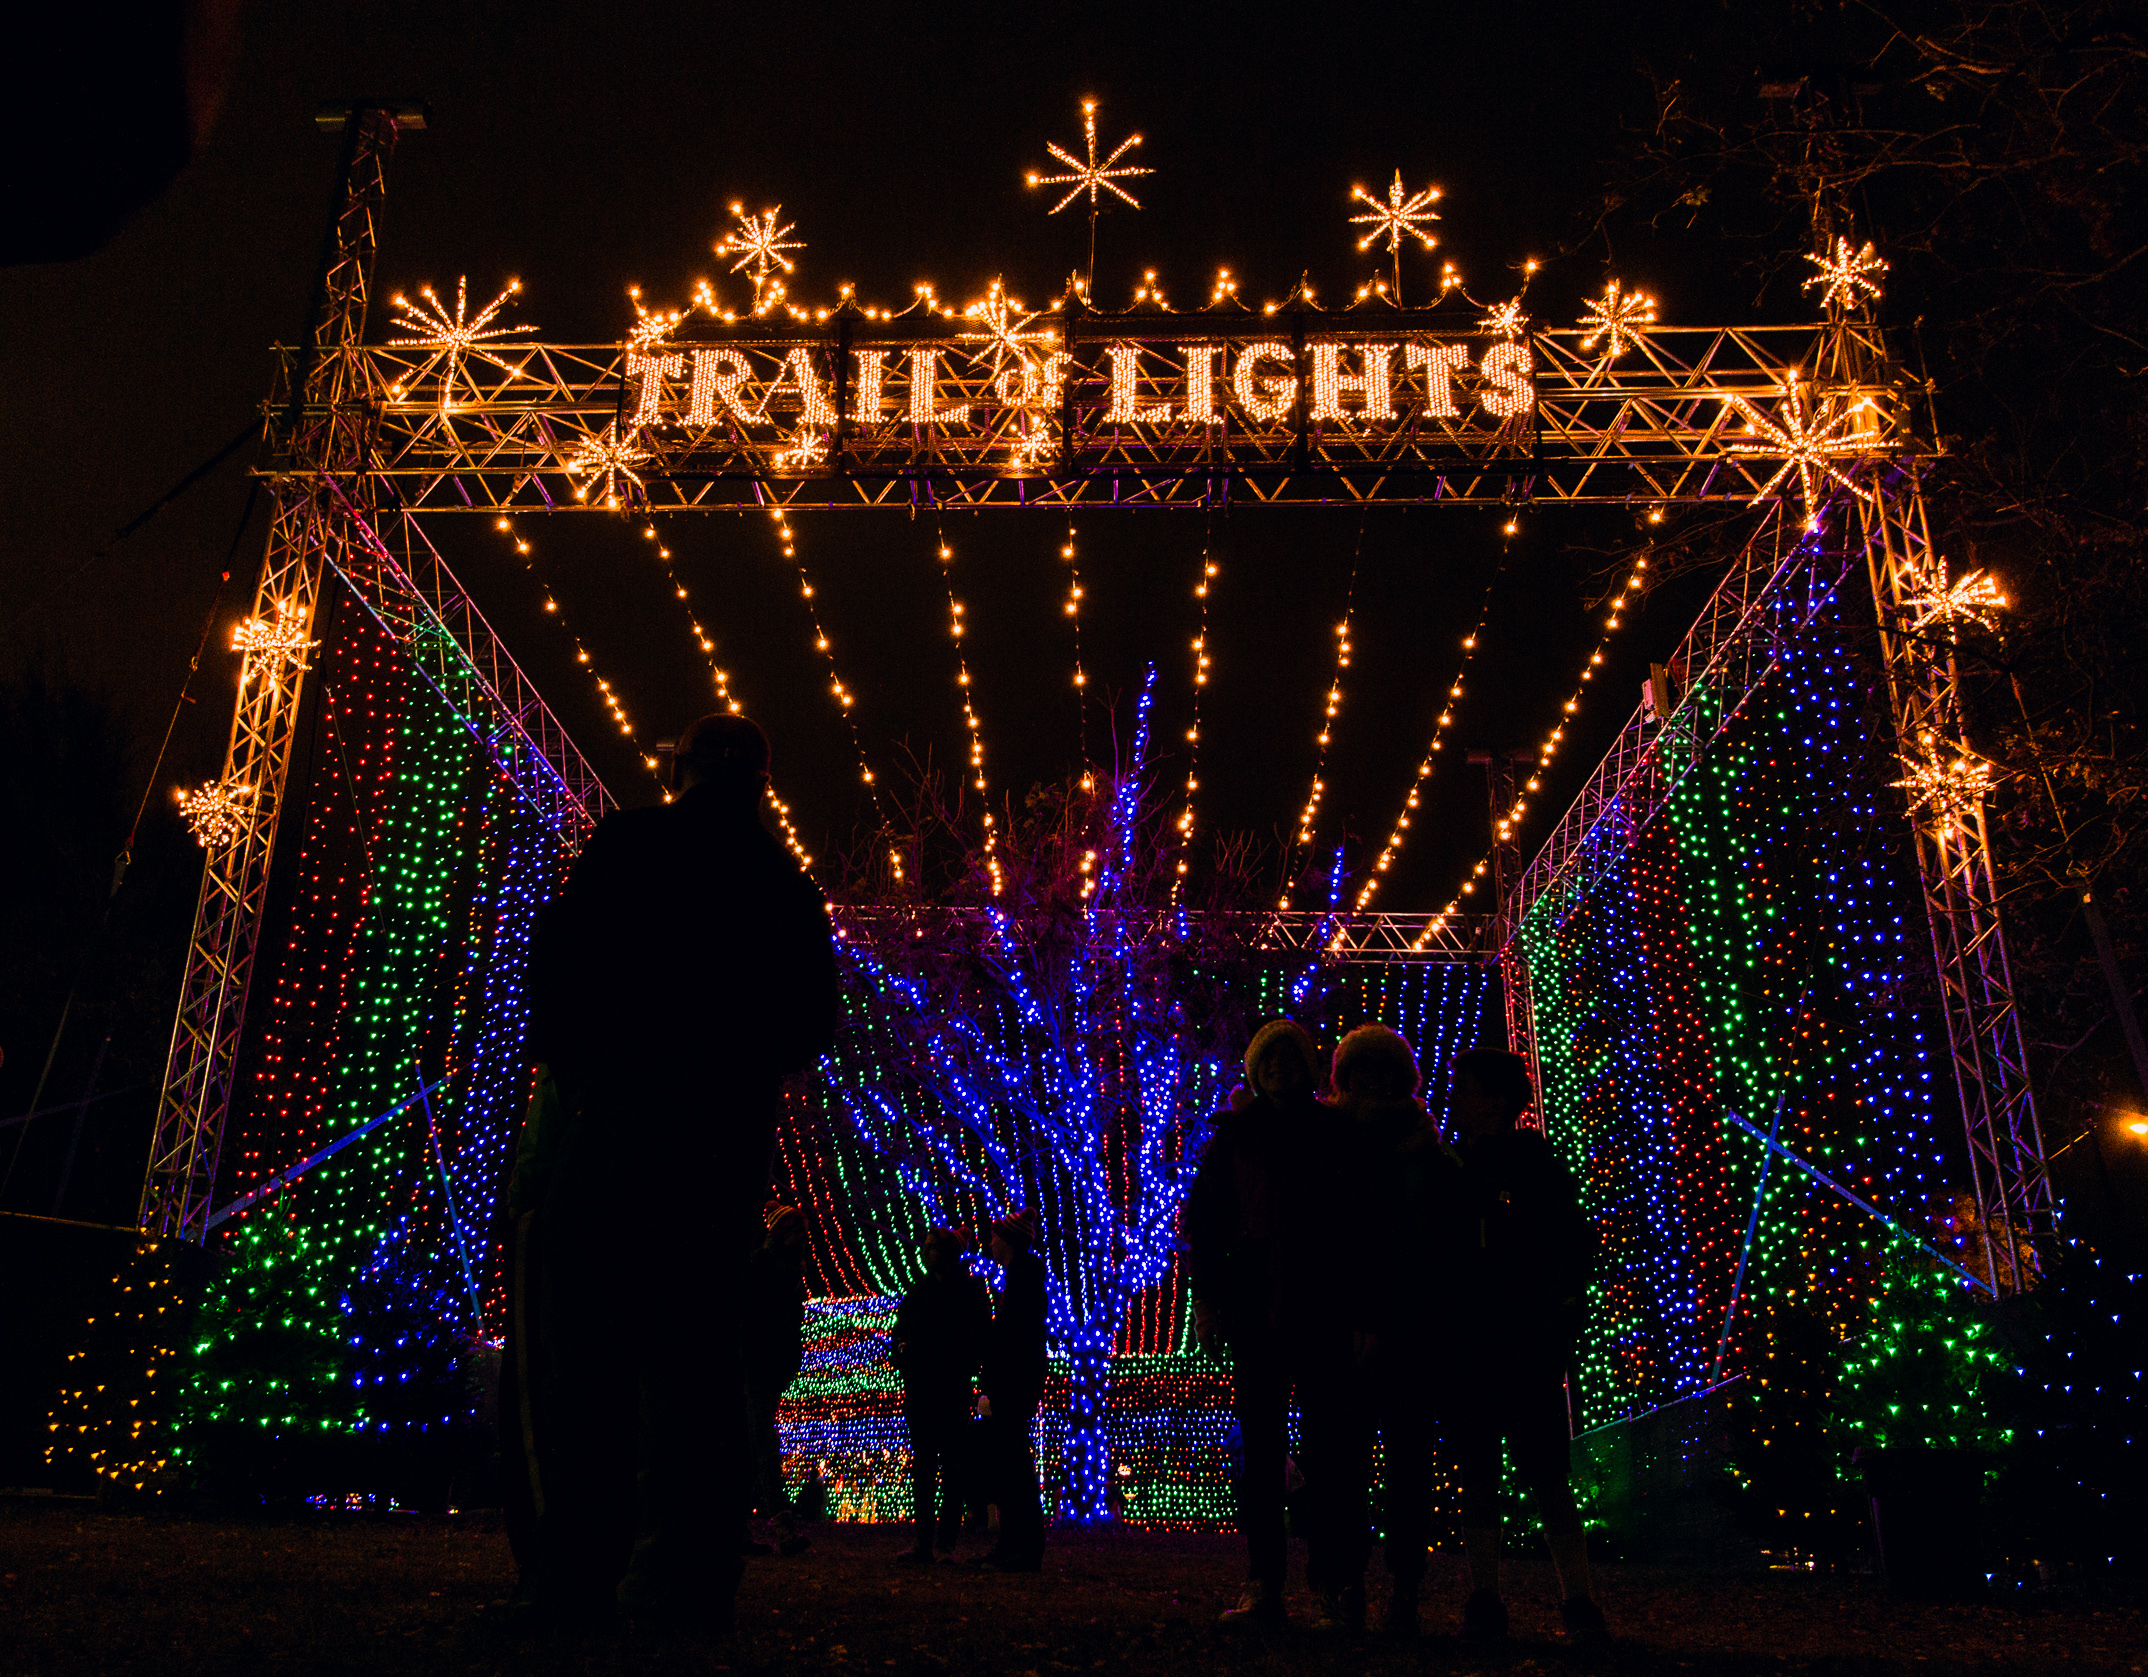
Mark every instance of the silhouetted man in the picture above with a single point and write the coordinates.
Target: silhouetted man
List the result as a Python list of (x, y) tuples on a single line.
[(1520, 1306), (684, 970)]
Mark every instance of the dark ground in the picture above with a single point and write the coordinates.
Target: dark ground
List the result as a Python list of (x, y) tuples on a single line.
[(90, 1592)]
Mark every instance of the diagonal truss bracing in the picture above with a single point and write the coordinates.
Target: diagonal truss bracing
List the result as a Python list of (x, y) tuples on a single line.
[(1777, 585), (417, 600), (1144, 409), (319, 479)]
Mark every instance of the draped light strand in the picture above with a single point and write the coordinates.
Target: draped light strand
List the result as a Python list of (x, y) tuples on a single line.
[(1193, 732), (1311, 812), (822, 644), (1403, 818), (606, 692), (1505, 825), (721, 679), (1072, 556), (975, 728)]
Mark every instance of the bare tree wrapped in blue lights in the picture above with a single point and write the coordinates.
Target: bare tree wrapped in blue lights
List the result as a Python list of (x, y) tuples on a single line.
[(1037, 1018)]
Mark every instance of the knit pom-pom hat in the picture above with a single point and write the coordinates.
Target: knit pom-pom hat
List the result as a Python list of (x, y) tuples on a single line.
[(1376, 1049), (1018, 1229), (1275, 1034)]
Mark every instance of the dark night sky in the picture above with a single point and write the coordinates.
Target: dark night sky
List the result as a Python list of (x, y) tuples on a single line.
[(583, 149)]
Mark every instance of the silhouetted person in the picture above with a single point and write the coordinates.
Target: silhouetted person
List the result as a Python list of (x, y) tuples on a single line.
[(1013, 1386), (684, 969), (939, 1342), (1408, 1190), (1253, 1230), (1519, 1311), (774, 1351)]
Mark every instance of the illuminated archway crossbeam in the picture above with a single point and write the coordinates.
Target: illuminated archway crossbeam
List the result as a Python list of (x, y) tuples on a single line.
[(1143, 409)]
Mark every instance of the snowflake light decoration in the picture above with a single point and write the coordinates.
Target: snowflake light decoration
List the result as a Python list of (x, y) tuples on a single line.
[(1845, 274), (1951, 790), (1034, 445), (1505, 319), (1091, 177), (1971, 600), (651, 326), (453, 339), (1396, 220), (758, 242), (1002, 328), (284, 637), (609, 457), (1618, 320), (1807, 442), (215, 812), (808, 447)]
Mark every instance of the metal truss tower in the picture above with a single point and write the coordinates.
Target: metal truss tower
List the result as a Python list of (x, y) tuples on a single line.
[(1961, 893), (322, 428), (1775, 588)]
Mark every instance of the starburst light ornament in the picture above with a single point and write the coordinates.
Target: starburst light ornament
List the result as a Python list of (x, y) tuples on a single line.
[(284, 636), (1951, 789), (607, 457), (651, 326), (1505, 319), (1845, 274), (215, 812), (1034, 445), (1971, 600), (758, 243), (1808, 441), (1618, 320), (1396, 220), (453, 339), (1002, 329), (1091, 177), (808, 447)]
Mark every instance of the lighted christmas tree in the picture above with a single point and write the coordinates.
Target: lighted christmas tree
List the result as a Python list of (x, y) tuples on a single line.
[(1925, 1373), (1038, 1026), (263, 1409), (111, 1422)]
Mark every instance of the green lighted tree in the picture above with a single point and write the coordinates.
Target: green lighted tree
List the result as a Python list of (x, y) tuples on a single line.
[(1927, 1371)]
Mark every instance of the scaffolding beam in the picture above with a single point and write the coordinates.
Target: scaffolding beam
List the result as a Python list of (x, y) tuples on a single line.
[(325, 429), (1961, 893)]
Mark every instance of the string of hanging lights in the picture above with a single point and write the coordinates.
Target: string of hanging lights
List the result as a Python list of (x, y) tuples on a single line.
[(975, 728), (1504, 825), (1410, 801), (1202, 584)]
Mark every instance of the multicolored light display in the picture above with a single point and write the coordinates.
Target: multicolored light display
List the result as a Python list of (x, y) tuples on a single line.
[(1159, 1435), (1758, 949), (402, 960)]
